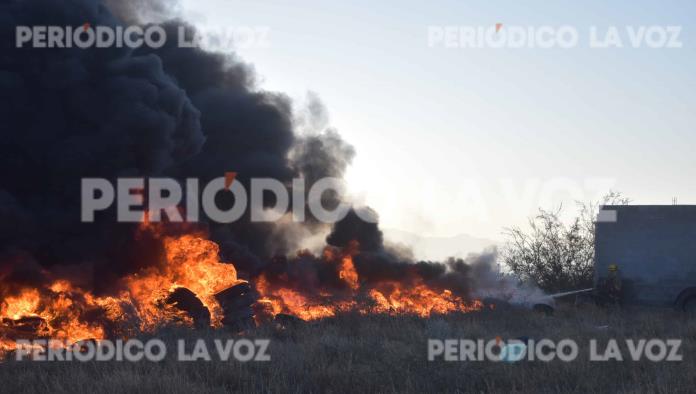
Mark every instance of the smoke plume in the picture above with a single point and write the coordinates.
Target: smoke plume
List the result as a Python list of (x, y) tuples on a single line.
[(71, 113)]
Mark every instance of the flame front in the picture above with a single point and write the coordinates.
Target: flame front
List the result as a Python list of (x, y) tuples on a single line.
[(419, 300), (390, 297), (65, 312), (192, 263)]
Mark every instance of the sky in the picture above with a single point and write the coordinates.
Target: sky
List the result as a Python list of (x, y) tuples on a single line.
[(453, 140)]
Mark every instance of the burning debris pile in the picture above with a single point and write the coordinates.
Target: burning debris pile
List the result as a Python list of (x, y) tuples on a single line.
[(72, 113), (332, 284), (191, 287), (185, 290)]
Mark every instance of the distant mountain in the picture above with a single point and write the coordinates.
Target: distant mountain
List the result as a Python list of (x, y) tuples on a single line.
[(438, 248)]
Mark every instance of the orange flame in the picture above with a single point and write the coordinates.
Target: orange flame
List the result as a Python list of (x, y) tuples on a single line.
[(64, 311), (348, 273), (285, 300), (383, 297), (192, 262), (60, 311), (419, 300)]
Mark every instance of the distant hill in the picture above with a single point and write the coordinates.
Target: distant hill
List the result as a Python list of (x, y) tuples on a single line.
[(438, 248)]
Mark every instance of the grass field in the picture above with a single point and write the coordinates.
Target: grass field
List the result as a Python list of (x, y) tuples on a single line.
[(365, 354)]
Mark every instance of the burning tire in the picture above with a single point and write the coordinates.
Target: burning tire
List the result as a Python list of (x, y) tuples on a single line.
[(187, 301), (236, 303)]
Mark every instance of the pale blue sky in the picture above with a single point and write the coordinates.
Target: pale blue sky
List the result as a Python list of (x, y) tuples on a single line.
[(453, 140)]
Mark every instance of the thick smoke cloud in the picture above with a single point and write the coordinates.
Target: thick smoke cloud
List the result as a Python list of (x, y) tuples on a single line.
[(70, 113), (73, 113), (353, 228)]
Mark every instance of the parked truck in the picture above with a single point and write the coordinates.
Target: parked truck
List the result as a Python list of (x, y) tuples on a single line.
[(654, 247)]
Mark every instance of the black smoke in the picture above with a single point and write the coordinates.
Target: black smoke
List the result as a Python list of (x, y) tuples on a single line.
[(71, 113)]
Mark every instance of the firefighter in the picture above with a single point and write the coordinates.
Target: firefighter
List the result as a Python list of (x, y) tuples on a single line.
[(612, 286)]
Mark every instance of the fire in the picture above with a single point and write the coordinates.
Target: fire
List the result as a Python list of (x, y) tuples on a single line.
[(348, 273), (55, 313), (391, 297), (63, 311), (419, 300), (192, 262), (192, 271), (285, 300), (25, 304)]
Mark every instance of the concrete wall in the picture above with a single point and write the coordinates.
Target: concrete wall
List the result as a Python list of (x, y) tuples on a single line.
[(654, 247)]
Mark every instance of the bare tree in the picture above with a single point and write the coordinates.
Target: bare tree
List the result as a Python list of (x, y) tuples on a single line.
[(554, 255)]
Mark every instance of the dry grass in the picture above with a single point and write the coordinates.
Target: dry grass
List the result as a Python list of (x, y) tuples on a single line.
[(367, 354)]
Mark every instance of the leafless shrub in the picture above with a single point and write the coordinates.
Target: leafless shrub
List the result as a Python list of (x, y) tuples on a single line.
[(553, 254)]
